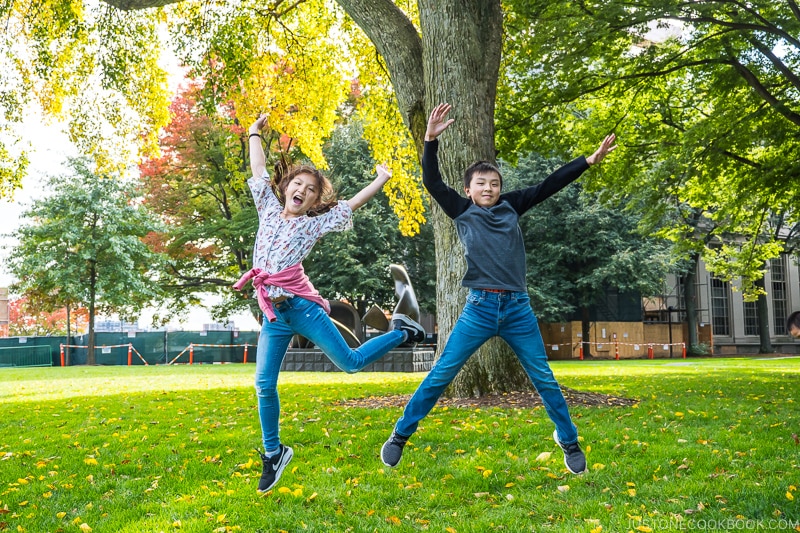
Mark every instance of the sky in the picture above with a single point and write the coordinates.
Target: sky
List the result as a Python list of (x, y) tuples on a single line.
[(50, 149)]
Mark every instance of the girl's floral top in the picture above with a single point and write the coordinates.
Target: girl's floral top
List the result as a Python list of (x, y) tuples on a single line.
[(281, 243)]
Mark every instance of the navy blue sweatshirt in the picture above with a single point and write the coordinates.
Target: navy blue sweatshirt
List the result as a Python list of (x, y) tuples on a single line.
[(492, 238)]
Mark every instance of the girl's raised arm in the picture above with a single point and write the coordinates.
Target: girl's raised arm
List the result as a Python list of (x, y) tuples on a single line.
[(258, 161), (372, 189)]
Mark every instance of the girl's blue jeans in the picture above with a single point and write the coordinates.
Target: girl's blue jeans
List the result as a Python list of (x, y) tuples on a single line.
[(485, 315), (300, 316)]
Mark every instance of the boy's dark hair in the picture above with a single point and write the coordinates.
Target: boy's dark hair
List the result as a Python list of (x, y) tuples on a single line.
[(793, 320), (480, 166)]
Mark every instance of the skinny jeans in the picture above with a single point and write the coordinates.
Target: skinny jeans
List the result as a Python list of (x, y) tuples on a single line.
[(303, 317), (487, 314)]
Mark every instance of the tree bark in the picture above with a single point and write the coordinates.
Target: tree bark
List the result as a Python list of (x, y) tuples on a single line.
[(90, 359), (763, 321), (690, 299), (586, 331)]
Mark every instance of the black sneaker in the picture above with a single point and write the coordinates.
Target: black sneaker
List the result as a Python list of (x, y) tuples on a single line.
[(273, 468), (573, 455), (392, 449), (414, 332)]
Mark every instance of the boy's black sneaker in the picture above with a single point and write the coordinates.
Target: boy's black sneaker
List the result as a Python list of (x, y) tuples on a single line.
[(273, 467), (573, 455), (392, 449), (414, 331)]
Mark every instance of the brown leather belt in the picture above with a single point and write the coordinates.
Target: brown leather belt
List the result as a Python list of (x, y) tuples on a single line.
[(279, 299), (493, 290)]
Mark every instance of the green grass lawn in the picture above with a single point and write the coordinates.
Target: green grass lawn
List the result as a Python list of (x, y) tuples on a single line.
[(711, 445)]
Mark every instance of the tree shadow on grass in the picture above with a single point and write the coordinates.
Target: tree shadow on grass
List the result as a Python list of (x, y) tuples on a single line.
[(506, 400)]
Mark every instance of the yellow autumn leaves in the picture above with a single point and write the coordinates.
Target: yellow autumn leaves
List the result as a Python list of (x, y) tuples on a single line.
[(303, 90)]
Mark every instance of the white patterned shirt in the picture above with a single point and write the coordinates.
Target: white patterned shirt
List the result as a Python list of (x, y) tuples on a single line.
[(281, 243)]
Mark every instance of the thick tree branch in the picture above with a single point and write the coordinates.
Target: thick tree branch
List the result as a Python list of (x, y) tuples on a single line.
[(763, 92), (400, 45), (739, 26), (133, 5), (775, 60), (795, 9)]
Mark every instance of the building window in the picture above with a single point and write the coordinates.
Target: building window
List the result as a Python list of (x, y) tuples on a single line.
[(719, 307), (751, 318), (779, 303)]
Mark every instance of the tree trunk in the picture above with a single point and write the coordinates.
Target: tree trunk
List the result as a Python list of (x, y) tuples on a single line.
[(763, 321), (66, 348), (90, 359), (690, 299), (586, 331), (461, 43), (456, 60)]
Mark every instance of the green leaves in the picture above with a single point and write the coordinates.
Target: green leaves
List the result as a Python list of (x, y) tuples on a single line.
[(93, 67), (702, 97), (82, 246), (577, 247)]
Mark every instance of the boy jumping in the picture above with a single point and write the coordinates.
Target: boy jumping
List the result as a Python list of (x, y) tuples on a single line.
[(498, 302)]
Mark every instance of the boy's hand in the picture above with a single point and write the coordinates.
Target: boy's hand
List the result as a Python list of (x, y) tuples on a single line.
[(259, 124), (606, 147), (438, 122), (384, 174)]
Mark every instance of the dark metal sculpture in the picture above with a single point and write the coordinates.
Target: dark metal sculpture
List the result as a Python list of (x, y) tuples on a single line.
[(346, 319)]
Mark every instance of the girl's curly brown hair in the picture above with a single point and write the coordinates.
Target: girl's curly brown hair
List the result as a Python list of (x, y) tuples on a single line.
[(284, 174)]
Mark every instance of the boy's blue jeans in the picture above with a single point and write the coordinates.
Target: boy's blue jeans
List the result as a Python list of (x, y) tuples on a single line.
[(300, 316), (485, 315)]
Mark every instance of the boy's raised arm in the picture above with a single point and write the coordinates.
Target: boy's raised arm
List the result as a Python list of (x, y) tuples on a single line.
[(452, 203)]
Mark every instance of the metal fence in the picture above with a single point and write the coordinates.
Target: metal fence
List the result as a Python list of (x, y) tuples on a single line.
[(152, 348)]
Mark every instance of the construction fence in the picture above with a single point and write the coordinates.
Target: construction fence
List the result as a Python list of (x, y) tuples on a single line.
[(615, 340), (131, 348), (607, 340)]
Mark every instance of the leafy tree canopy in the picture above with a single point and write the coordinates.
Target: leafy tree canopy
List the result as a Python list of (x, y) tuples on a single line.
[(94, 66), (703, 97), (82, 246), (26, 319), (101, 69), (577, 248)]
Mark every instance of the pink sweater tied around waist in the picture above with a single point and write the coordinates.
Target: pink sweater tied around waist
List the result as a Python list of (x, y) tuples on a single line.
[(293, 279)]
